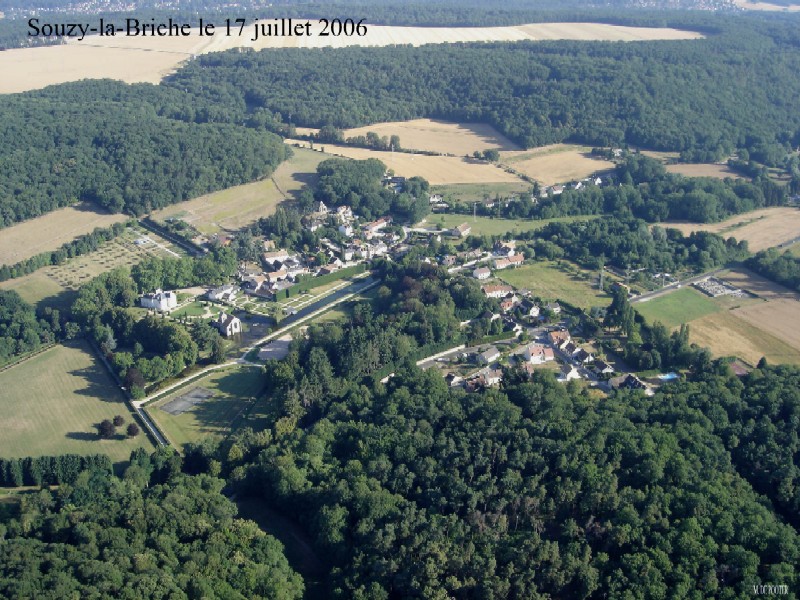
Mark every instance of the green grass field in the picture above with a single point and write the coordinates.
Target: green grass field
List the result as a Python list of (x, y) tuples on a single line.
[(470, 192), (50, 404), (549, 282), (235, 391), (681, 306), (489, 226)]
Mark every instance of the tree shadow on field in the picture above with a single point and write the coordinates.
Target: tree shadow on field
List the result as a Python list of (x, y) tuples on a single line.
[(305, 179), (97, 384), (82, 436)]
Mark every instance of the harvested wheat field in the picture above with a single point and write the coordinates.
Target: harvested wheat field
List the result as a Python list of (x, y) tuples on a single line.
[(763, 228), (440, 136), (727, 335), (557, 163), (48, 232), (236, 207), (703, 170), (135, 59), (781, 318), (438, 170)]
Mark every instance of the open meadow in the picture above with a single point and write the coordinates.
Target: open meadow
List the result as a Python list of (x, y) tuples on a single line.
[(135, 59), (703, 170), (556, 163), (549, 282), (763, 228), (438, 170), (51, 403), (236, 207), (48, 232), (213, 405), (490, 226), (55, 285), (440, 136)]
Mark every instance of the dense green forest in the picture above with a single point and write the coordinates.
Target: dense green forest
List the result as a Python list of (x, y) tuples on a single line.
[(706, 96), (152, 534), (107, 143)]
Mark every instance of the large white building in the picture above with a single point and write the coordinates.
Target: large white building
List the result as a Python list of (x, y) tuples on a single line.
[(160, 300)]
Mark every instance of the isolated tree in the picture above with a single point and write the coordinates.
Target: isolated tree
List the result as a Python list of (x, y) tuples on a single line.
[(218, 350), (106, 429), (118, 420), (132, 430)]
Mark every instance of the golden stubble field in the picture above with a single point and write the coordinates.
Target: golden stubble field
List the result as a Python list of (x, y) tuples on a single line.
[(431, 135), (236, 207), (438, 170), (48, 232), (556, 163), (148, 59), (763, 228)]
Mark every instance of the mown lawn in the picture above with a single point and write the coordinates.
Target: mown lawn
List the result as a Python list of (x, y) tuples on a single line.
[(51, 403), (681, 306)]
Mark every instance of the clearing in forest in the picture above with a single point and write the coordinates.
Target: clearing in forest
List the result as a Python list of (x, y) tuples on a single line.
[(136, 59), (51, 403), (438, 170), (239, 206), (48, 232), (763, 228), (459, 139), (213, 405), (556, 163)]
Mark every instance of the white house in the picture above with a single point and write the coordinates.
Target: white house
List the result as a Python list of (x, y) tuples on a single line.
[(482, 273), (511, 261), (346, 229), (225, 292), (497, 291), (160, 300), (567, 373), (227, 325), (538, 354)]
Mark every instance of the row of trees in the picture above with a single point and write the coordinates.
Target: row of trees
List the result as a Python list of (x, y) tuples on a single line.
[(81, 245), (777, 266), (49, 470)]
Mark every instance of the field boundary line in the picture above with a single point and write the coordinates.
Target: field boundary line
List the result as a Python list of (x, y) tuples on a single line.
[(28, 357)]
